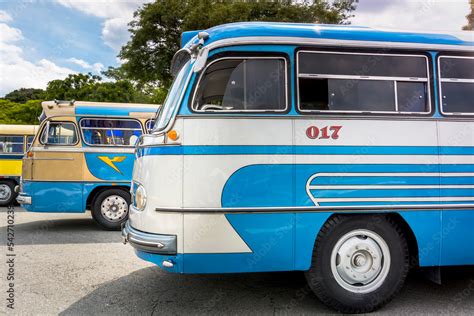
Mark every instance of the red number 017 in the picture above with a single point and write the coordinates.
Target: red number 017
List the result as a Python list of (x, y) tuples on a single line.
[(327, 132)]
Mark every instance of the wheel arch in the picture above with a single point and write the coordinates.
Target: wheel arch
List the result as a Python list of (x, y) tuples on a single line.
[(101, 188), (401, 222)]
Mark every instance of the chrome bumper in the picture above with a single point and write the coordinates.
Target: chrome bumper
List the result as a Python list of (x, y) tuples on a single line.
[(153, 243), (23, 199)]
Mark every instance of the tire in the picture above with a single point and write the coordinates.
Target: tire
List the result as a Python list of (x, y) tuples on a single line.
[(110, 208), (7, 193), (346, 276)]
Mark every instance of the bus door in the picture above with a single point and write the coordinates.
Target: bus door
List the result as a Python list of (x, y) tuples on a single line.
[(57, 168), (456, 141)]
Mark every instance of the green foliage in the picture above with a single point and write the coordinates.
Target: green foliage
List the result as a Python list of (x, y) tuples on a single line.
[(157, 27), (25, 94), (88, 87), (18, 113), (470, 18)]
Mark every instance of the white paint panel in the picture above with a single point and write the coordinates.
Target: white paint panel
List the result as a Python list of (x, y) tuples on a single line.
[(162, 177), (456, 133), (368, 159), (355, 132), (205, 176), (211, 233), (238, 131), (151, 221)]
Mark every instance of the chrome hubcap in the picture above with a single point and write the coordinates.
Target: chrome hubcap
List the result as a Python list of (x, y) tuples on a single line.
[(360, 261), (5, 192), (114, 208)]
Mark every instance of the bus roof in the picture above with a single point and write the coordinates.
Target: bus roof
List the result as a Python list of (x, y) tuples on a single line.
[(7, 129), (261, 32), (84, 108)]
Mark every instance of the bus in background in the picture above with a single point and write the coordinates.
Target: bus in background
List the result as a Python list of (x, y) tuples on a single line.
[(345, 152), (14, 142), (82, 159)]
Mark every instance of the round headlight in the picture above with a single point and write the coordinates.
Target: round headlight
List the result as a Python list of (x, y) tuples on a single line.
[(140, 198)]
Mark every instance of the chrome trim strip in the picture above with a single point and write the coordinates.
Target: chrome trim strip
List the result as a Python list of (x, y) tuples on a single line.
[(148, 242), (130, 150), (322, 76), (23, 199), (258, 40), (317, 209)]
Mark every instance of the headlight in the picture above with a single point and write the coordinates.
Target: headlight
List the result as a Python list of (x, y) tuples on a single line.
[(140, 198)]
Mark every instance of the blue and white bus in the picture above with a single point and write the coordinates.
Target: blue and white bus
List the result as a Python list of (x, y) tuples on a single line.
[(345, 152), (82, 159)]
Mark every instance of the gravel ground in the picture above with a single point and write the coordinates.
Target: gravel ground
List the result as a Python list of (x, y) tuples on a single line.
[(65, 264)]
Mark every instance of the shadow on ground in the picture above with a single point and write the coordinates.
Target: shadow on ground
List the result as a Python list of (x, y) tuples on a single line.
[(152, 291), (61, 231)]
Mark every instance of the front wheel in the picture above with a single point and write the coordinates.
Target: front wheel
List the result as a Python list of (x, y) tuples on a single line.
[(359, 263), (110, 208), (7, 193)]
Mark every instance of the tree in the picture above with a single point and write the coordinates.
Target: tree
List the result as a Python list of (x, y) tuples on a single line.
[(157, 27), (24, 94), (18, 113), (470, 18), (88, 87)]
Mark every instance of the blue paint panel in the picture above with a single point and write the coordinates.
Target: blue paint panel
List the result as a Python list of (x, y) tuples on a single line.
[(426, 225), (261, 185), (270, 29), (307, 228), (457, 238), (101, 170), (11, 156), (158, 260), (60, 197), (373, 180)]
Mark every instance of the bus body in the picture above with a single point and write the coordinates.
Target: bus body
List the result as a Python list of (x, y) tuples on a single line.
[(344, 152), (14, 142), (82, 158)]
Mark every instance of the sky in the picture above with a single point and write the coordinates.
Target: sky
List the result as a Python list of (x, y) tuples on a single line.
[(43, 40)]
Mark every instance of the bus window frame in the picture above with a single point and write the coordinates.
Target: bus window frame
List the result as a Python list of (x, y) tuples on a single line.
[(108, 118), (440, 91), (14, 153), (369, 52), (40, 135), (249, 56)]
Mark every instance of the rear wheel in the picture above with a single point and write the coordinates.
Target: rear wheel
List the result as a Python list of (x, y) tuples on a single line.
[(359, 263), (7, 193), (110, 208)]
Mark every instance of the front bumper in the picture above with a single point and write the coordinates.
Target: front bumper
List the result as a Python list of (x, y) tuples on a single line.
[(23, 199), (148, 242)]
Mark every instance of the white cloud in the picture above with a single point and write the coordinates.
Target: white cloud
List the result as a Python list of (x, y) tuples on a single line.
[(5, 17), (17, 72), (97, 67), (427, 15), (116, 15)]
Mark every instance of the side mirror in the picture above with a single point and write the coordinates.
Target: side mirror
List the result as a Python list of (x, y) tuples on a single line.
[(44, 137)]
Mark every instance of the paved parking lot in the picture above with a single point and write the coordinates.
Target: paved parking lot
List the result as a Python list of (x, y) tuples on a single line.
[(66, 264)]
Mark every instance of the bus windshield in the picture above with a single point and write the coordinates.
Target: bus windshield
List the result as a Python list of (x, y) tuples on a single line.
[(171, 105)]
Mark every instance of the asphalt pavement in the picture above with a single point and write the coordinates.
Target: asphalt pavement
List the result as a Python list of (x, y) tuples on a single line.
[(65, 264)]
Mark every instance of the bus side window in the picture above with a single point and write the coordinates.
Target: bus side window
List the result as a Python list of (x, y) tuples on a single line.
[(352, 82), (242, 85), (457, 84), (110, 132), (60, 133), (11, 144)]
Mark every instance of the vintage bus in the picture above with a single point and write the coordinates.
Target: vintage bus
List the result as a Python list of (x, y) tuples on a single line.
[(345, 152), (14, 142), (82, 159)]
